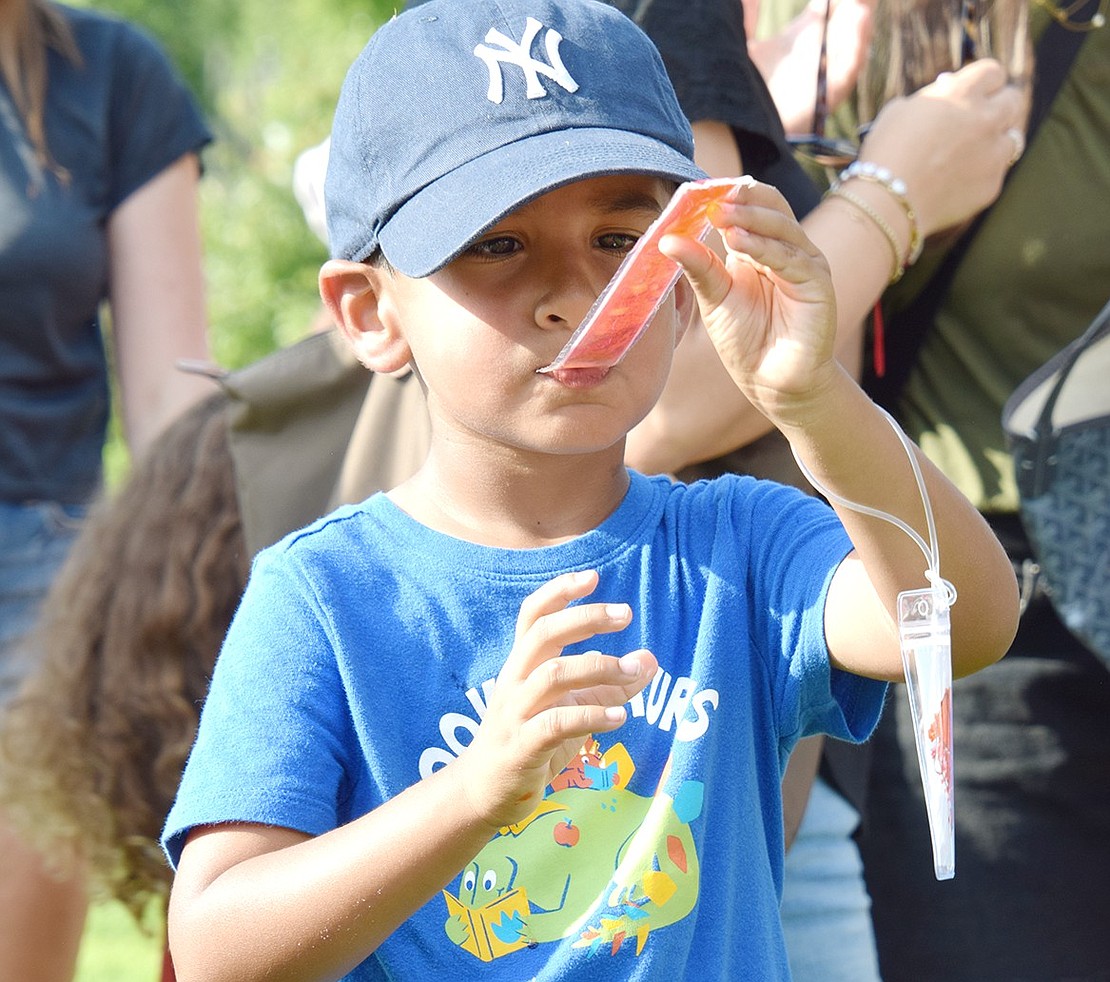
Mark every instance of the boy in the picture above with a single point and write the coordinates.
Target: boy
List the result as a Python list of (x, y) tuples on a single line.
[(362, 800)]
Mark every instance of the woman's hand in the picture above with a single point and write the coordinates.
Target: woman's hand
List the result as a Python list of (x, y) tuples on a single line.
[(950, 142)]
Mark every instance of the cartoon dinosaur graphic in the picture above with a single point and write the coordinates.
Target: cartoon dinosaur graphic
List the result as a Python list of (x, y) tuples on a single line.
[(594, 862)]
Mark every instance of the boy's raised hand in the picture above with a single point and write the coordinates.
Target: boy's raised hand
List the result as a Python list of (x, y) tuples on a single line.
[(546, 704), (768, 307)]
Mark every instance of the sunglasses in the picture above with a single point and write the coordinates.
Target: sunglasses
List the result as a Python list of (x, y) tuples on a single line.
[(835, 152), (817, 146), (969, 26)]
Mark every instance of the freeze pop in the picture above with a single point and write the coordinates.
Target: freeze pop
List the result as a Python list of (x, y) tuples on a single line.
[(637, 290)]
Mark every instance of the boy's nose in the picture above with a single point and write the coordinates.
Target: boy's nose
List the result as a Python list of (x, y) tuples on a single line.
[(571, 290)]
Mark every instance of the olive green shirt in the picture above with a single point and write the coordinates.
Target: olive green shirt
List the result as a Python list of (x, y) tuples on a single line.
[(1035, 276)]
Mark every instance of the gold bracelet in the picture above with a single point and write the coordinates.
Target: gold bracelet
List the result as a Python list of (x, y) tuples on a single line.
[(866, 170), (880, 222)]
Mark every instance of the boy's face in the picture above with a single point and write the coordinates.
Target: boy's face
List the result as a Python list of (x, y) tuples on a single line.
[(479, 329)]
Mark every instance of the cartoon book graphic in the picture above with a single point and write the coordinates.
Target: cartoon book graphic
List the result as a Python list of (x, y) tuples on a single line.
[(495, 929), (633, 297)]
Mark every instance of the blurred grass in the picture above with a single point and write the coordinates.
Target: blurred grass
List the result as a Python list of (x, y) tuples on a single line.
[(116, 949)]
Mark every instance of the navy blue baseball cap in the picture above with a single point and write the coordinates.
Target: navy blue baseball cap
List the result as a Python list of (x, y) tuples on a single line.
[(457, 112)]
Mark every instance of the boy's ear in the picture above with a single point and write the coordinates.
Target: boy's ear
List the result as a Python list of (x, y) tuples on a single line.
[(352, 294), (685, 307)]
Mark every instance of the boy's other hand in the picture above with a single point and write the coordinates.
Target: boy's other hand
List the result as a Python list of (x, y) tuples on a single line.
[(546, 704)]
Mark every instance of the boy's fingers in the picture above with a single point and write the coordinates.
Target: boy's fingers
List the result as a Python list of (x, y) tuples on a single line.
[(554, 595), (547, 637), (589, 679), (563, 723), (547, 622), (701, 266), (577, 695), (757, 224), (595, 676)]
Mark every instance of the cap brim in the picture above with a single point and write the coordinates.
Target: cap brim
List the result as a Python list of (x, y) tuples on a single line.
[(443, 218)]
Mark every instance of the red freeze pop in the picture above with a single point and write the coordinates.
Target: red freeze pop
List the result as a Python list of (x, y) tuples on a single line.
[(637, 290)]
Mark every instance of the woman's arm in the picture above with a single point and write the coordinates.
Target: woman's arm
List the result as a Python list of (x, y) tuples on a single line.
[(948, 143), (788, 60), (156, 295)]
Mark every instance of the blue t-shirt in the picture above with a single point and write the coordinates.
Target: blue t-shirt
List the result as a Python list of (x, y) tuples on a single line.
[(112, 124), (362, 658)]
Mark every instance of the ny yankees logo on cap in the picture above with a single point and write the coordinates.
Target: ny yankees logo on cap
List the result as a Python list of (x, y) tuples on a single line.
[(521, 54)]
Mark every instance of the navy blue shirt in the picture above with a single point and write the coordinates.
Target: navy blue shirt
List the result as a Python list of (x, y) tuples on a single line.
[(112, 124)]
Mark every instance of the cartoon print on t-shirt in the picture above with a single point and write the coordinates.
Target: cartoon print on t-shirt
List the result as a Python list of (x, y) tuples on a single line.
[(594, 862)]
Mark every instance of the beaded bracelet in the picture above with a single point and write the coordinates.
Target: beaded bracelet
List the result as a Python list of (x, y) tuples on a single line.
[(884, 226), (865, 170)]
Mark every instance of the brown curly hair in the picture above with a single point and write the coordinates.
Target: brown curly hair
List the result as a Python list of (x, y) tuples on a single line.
[(92, 749)]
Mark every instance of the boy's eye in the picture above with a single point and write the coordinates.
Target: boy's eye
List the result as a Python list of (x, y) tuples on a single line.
[(618, 241), (501, 245)]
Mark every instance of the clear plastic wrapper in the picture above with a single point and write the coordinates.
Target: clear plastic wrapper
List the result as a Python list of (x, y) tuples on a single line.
[(637, 290), (927, 658)]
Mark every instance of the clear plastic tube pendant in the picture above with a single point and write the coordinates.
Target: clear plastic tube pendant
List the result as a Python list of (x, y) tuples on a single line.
[(926, 641)]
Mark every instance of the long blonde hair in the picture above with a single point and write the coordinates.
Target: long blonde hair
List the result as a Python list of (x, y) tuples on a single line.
[(28, 29), (916, 40)]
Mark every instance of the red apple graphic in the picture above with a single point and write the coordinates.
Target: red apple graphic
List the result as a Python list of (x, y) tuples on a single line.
[(566, 833)]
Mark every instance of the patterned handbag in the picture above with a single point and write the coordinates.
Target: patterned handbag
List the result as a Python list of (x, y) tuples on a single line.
[(1058, 426)]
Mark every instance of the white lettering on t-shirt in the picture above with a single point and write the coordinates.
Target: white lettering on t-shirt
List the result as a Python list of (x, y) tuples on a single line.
[(676, 703)]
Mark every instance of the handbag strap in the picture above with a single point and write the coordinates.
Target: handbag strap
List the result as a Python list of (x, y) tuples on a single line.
[(1039, 439), (1099, 326), (1056, 50)]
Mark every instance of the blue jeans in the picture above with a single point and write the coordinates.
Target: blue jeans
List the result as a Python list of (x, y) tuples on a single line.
[(34, 541), (826, 911)]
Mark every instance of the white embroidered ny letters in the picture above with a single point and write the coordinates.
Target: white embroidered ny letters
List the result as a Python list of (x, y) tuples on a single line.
[(509, 52)]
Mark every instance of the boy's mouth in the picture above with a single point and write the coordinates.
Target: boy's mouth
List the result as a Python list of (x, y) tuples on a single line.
[(578, 378)]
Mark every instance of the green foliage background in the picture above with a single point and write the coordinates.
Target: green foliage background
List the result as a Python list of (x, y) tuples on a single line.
[(267, 75)]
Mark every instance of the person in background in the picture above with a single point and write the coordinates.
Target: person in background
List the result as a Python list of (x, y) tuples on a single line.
[(99, 145), (1032, 734), (788, 54), (93, 744), (91, 749), (948, 144)]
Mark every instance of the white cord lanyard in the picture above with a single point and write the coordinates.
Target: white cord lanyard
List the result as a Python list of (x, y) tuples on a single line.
[(930, 550), (924, 632)]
